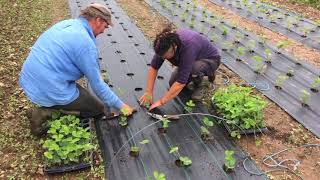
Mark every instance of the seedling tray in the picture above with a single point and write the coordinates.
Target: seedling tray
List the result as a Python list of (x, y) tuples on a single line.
[(85, 123), (241, 131), (245, 131)]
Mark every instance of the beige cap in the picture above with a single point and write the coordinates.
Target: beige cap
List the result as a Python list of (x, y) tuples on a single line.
[(105, 14)]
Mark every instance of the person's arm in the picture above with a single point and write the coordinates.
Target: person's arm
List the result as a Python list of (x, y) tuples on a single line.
[(88, 65), (174, 90), (188, 56), (147, 97)]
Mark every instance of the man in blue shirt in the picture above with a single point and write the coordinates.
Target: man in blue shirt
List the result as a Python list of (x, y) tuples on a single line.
[(62, 55)]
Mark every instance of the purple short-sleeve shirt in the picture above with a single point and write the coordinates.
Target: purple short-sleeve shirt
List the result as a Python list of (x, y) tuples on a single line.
[(194, 46)]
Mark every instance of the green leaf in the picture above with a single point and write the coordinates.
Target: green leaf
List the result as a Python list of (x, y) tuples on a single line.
[(174, 149), (185, 160), (135, 149), (145, 141), (207, 122), (48, 155), (204, 130)]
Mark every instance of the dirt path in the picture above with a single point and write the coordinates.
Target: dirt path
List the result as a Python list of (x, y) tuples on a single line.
[(21, 23), (285, 131)]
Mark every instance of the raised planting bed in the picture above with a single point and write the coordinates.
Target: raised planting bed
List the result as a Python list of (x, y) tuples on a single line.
[(287, 23)]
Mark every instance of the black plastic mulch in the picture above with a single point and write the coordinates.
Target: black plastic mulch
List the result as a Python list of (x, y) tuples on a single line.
[(287, 23), (126, 63), (289, 97)]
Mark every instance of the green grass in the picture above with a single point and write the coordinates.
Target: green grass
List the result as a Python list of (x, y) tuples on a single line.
[(20, 153)]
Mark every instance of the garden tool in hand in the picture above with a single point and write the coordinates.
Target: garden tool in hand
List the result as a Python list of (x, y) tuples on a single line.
[(160, 117)]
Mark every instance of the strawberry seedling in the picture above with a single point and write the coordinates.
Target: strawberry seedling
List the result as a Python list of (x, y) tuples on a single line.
[(315, 84), (229, 161), (135, 150), (182, 161)]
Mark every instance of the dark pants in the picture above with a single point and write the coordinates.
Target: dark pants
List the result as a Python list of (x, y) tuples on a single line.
[(200, 68), (87, 104)]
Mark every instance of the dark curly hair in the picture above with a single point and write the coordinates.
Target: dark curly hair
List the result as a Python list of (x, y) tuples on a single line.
[(165, 40)]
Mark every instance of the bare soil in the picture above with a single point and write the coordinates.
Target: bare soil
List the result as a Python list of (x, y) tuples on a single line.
[(285, 131)]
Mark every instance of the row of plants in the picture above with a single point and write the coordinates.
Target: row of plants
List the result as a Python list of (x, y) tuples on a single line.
[(67, 142), (259, 62), (274, 16)]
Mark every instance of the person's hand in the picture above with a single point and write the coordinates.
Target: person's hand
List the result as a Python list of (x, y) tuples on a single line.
[(146, 99), (126, 110), (156, 104)]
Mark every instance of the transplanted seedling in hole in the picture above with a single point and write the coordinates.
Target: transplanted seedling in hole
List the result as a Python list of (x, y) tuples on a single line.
[(305, 31), (304, 97), (204, 131), (182, 160), (290, 72), (147, 102), (157, 176), (240, 52), (165, 125), (281, 45), (226, 46), (262, 40), (268, 55), (250, 45), (258, 67), (134, 150), (238, 37), (189, 106), (123, 117), (315, 84), (280, 80), (225, 30), (229, 161)]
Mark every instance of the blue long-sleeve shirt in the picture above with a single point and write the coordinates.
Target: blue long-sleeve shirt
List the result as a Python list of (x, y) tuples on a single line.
[(62, 55)]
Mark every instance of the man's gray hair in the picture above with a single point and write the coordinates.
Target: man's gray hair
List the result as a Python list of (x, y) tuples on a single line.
[(95, 10)]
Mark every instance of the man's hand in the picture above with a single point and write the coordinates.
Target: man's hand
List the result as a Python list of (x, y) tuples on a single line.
[(127, 110), (156, 104), (146, 99)]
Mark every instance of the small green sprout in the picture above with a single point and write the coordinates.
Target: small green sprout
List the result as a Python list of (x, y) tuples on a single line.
[(280, 80), (268, 55), (305, 97), (229, 160), (189, 106), (185, 160), (225, 30), (174, 149), (315, 83), (159, 176)]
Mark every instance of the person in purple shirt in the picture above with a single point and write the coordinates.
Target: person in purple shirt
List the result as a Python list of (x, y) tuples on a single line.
[(62, 55), (194, 57)]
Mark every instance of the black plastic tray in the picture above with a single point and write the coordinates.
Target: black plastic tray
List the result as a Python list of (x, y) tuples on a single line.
[(85, 123)]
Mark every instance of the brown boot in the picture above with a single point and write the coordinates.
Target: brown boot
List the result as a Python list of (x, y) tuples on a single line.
[(37, 118), (200, 88)]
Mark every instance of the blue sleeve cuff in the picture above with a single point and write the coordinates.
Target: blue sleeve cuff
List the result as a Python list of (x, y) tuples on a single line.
[(119, 104)]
